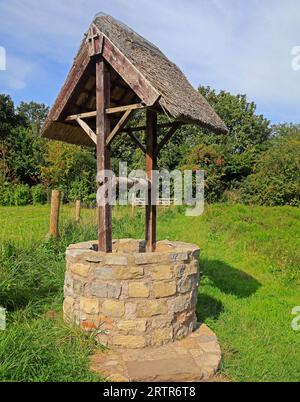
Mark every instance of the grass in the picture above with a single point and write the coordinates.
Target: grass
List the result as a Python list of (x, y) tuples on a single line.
[(249, 285)]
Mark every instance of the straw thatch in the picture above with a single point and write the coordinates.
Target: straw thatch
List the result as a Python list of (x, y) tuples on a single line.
[(173, 94), (178, 97)]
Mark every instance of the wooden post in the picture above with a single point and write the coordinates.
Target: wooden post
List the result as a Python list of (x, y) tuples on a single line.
[(151, 164), (77, 210), (103, 153), (54, 215)]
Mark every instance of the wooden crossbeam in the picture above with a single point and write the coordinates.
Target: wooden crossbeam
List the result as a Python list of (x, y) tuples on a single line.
[(81, 116), (87, 129), (143, 128), (119, 109), (168, 136), (137, 141), (111, 110), (122, 122)]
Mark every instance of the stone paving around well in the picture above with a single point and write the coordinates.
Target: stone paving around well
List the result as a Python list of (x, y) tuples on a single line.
[(193, 359)]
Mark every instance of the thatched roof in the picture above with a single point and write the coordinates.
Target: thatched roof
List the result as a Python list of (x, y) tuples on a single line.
[(158, 83)]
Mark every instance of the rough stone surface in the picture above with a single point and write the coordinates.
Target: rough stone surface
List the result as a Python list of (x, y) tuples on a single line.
[(182, 361), (113, 308), (139, 290), (90, 306), (164, 289), (130, 298)]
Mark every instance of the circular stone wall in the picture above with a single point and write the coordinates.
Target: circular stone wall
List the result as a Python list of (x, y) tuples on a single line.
[(130, 298)]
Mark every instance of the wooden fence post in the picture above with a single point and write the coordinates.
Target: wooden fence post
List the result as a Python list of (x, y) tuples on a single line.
[(54, 215), (77, 210)]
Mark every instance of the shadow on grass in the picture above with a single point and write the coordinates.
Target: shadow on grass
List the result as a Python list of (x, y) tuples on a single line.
[(208, 307), (228, 279)]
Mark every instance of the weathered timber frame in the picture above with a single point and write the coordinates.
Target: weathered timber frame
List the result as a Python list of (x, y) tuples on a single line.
[(98, 52)]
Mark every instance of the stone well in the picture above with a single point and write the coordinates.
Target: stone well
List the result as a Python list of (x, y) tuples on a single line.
[(130, 298)]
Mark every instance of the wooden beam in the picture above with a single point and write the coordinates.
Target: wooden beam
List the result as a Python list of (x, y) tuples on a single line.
[(112, 110), (103, 154), (159, 126), (122, 122), (120, 109), (87, 129), (151, 165), (168, 136), (137, 141), (81, 116), (66, 94)]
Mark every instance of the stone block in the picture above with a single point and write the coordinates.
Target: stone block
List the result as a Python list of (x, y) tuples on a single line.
[(179, 303), (104, 273), (162, 272), (114, 291), (196, 253), (147, 258), (180, 270), (126, 273), (78, 287), (89, 306), (68, 305), (151, 308), (99, 289), (162, 336), (111, 259), (132, 326), (185, 284), (68, 280), (164, 289), (192, 268), (80, 270), (161, 322), (130, 310), (106, 323), (138, 290), (178, 257), (129, 341), (106, 290), (113, 308)]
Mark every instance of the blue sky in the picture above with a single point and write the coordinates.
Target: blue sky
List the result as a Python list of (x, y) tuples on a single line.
[(237, 45)]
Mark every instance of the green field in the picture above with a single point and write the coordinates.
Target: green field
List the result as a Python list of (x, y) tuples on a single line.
[(250, 277)]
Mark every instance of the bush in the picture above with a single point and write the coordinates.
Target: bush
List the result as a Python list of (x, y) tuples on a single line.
[(22, 195), (6, 195), (39, 194), (276, 180), (15, 195)]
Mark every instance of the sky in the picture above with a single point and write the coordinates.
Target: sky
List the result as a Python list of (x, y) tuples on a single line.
[(236, 45)]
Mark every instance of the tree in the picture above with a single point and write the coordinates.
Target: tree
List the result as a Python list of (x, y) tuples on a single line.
[(8, 121), (276, 178), (25, 156), (34, 114), (69, 167), (8, 117), (246, 128)]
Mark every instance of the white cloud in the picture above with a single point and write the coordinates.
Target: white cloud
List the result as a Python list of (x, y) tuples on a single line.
[(16, 73), (230, 44)]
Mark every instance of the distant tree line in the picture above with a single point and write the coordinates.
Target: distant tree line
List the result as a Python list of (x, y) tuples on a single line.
[(255, 163)]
